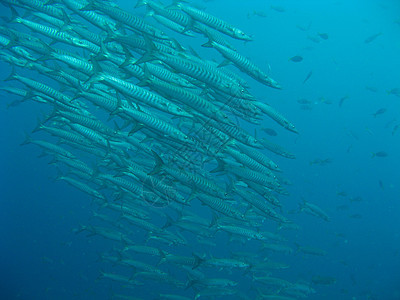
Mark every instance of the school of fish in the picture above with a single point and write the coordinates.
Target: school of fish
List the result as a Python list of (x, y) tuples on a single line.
[(150, 131)]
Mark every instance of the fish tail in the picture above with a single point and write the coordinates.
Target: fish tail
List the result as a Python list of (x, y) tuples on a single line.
[(27, 139), (198, 261), (90, 6), (159, 164), (220, 167), (38, 125), (12, 75)]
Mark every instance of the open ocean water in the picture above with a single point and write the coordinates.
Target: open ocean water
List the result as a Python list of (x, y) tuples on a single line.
[(347, 163)]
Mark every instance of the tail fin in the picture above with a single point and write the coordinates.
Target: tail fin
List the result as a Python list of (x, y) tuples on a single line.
[(89, 6), (38, 125), (14, 16), (27, 140), (220, 167), (12, 76), (159, 163), (169, 222), (190, 283), (197, 261), (214, 221)]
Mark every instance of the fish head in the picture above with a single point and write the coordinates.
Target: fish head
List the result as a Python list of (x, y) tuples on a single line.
[(160, 35), (274, 84), (178, 111), (242, 264), (78, 42), (239, 91), (268, 80), (253, 142), (239, 34)]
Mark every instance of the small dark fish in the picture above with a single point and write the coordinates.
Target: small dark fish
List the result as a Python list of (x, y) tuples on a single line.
[(379, 154), (390, 123), (395, 128), (323, 280), (356, 199), (314, 39), (371, 89), (321, 162), (379, 112), (303, 27), (395, 91), (257, 13), (353, 279), (269, 131), (306, 107), (356, 216), (372, 38), (342, 194), (260, 13), (353, 135), (381, 185), (342, 207), (278, 8), (342, 100), (324, 100), (323, 36), (307, 77), (296, 58), (349, 148), (304, 101)]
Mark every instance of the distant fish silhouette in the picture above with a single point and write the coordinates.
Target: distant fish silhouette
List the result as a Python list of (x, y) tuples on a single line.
[(379, 112), (296, 58), (270, 131), (379, 154), (372, 38), (278, 8), (307, 77), (342, 100), (323, 36)]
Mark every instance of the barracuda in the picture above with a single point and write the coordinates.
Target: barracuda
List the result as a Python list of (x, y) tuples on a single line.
[(83, 187), (42, 88), (132, 21), (244, 64), (199, 104), (207, 74), (142, 95), (214, 22), (276, 116), (101, 21)]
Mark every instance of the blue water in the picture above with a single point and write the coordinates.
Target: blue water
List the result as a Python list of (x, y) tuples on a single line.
[(41, 258)]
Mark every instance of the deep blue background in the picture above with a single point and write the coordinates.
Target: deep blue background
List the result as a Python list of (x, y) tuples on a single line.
[(41, 258)]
